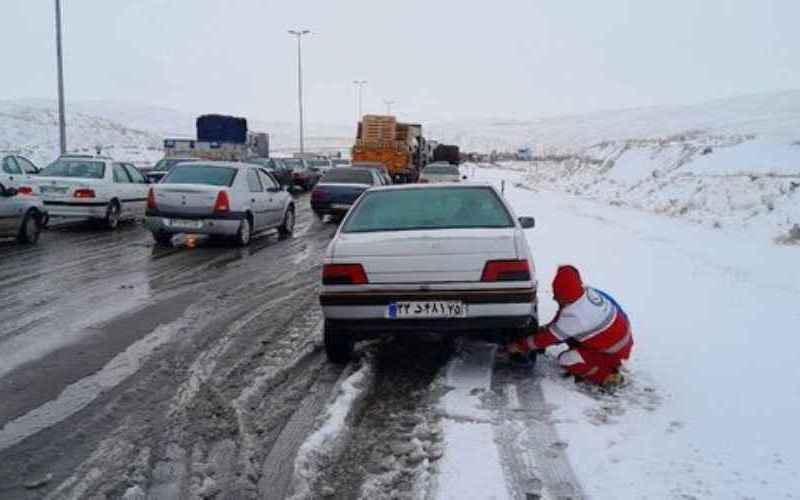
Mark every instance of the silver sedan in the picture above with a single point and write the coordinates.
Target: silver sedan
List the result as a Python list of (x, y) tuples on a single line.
[(445, 258), (220, 199), (21, 215)]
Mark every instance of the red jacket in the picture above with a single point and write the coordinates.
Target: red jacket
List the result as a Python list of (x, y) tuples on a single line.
[(594, 321)]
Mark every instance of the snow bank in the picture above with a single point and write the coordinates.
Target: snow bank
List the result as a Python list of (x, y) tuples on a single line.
[(323, 446), (733, 182)]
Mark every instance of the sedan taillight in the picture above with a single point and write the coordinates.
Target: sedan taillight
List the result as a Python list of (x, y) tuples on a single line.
[(151, 200), (506, 270), (344, 274), (25, 190), (320, 195), (223, 203), (84, 193)]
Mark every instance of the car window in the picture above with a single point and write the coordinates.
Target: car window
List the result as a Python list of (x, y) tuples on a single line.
[(27, 166), (121, 175), (75, 168), (432, 208), (348, 176), (10, 166), (134, 174), (294, 164), (267, 180), (253, 182), (197, 173)]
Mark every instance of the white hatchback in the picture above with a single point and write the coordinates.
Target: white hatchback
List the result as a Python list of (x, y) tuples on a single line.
[(446, 258), (93, 187)]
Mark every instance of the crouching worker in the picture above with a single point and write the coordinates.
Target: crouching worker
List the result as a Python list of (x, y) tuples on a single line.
[(591, 323)]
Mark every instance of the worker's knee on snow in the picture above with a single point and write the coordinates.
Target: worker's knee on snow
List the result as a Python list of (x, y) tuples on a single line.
[(570, 358)]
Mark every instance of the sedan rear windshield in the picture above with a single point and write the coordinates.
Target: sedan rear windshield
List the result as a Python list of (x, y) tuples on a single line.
[(347, 176), (293, 164), (201, 174), (319, 163), (431, 208), (441, 169), (75, 168)]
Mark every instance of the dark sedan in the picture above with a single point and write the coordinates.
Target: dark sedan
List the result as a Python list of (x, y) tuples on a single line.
[(276, 167), (303, 174), (340, 187)]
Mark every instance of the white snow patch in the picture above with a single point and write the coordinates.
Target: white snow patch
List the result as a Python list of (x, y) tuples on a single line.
[(325, 444)]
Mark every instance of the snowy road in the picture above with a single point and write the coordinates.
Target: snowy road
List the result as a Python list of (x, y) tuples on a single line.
[(197, 372), (123, 366)]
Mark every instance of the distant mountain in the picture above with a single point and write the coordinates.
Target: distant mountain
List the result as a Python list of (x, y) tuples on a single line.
[(135, 131)]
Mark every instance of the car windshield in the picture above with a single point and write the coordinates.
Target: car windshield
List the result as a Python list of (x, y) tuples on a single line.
[(165, 164), (201, 174), (293, 164), (319, 163), (441, 169), (347, 176), (340, 163), (75, 168), (428, 208)]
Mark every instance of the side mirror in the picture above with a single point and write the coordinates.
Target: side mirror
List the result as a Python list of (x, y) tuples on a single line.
[(527, 222)]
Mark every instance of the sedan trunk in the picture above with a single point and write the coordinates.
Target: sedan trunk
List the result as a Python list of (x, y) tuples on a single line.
[(426, 256), (187, 199)]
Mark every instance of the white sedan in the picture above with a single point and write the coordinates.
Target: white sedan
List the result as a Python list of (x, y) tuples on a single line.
[(447, 258), (93, 187), (440, 172)]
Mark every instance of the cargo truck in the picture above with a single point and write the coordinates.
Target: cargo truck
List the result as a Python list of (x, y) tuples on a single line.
[(398, 146), (447, 153)]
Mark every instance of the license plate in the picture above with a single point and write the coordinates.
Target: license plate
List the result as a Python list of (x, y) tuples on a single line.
[(428, 309), (340, 206), (53, 190), (184, 224)]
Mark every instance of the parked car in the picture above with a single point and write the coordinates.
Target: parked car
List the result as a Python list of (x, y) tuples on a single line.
[(303, 175), (93, 187), (221, 199), (340, 188), (379, 167), (321, 164), (340, 162), (440, 172), (163, 166), (15, 170), (276, 167), (21, 215), (416, 258)]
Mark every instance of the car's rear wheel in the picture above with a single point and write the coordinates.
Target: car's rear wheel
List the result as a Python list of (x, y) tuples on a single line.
[(113, 211), (163, 239), (245, 233), (338, 346), (287, 227), (30, 229)]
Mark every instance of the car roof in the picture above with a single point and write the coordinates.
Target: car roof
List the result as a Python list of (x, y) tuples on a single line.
[(77, 156), (228, 164), (440, 185)]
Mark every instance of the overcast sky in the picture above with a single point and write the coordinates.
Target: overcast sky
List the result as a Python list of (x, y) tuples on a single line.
[(438, 59)]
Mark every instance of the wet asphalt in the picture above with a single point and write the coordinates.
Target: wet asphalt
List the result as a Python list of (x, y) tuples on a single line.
[(126, 364)]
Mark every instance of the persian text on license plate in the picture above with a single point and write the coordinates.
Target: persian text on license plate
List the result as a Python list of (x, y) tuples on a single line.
[(185, 224), (427, 309), (340, 206)]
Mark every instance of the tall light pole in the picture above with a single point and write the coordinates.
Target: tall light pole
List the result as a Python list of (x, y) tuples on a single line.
[(62, 126), (299, 34), (388, 104), (360, 86)]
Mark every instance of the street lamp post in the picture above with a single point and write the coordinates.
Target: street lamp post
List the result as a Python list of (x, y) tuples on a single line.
[(299, 34), (388, 104), (62, 126), (360, 86)]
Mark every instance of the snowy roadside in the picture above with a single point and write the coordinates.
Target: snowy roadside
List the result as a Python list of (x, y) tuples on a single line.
[(734, 182), (713, 402)]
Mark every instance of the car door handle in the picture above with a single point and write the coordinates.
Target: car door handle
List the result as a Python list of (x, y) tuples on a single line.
[(253, 200)]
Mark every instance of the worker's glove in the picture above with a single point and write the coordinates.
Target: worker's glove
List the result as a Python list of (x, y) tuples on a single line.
[(518, 346)]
